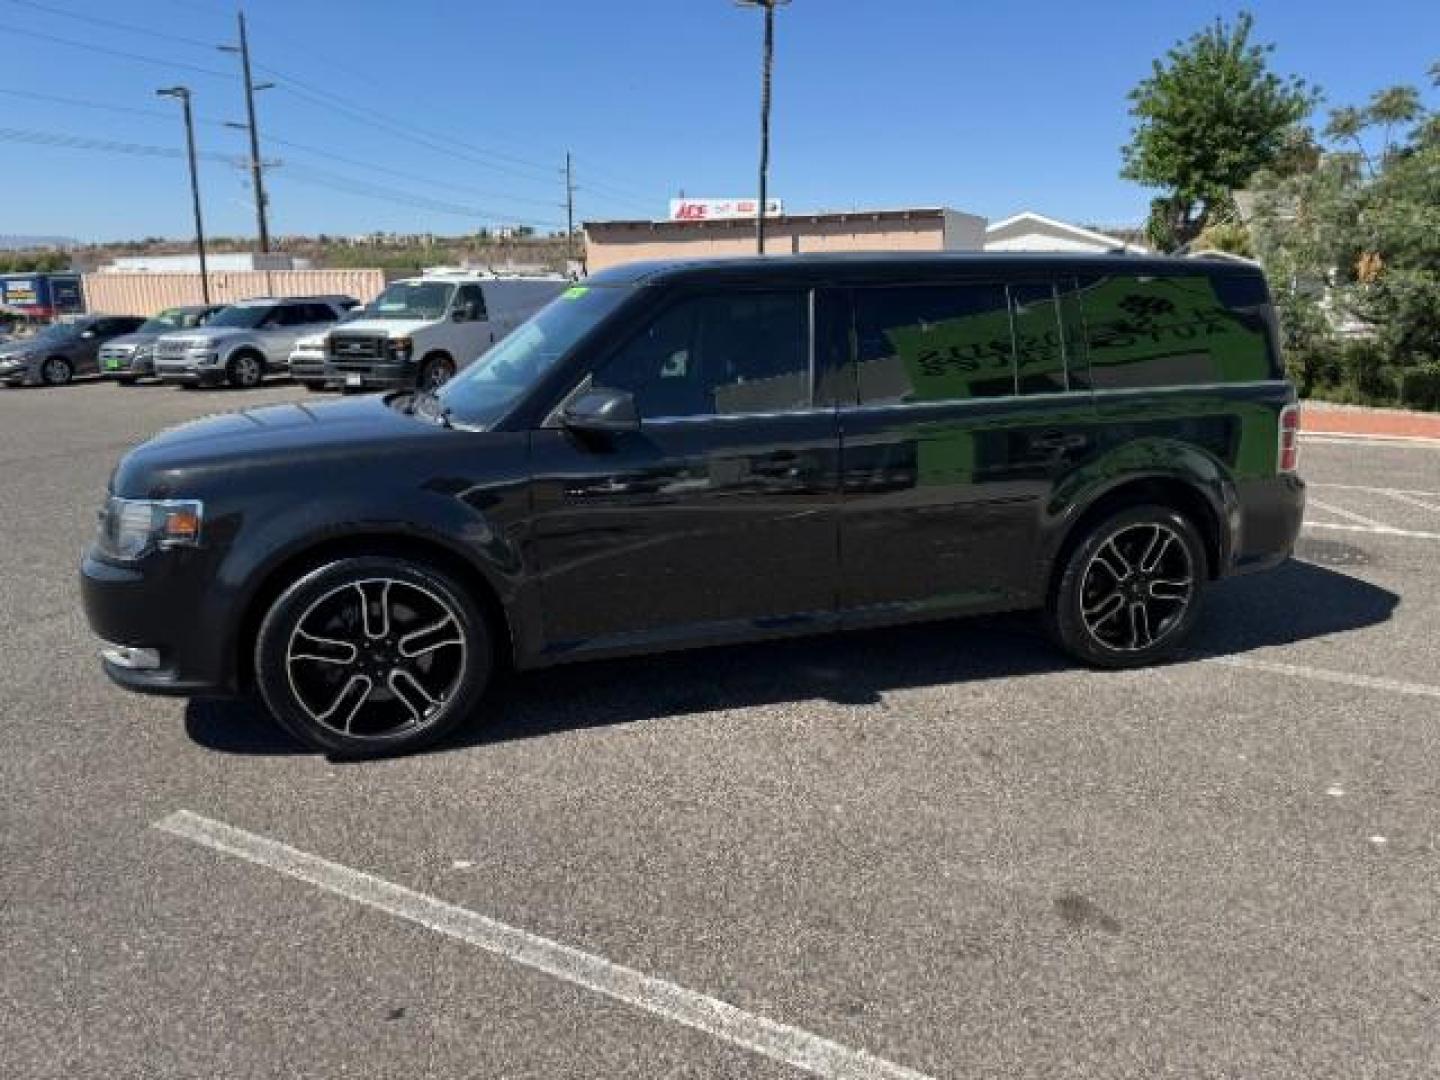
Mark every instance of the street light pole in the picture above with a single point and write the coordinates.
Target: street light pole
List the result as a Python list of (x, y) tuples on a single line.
[(182, 93), (766, 67)]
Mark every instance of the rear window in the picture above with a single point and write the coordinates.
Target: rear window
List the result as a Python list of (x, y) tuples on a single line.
[(1175, 331)]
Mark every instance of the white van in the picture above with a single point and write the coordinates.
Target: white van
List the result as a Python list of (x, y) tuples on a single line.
[(420, 331)]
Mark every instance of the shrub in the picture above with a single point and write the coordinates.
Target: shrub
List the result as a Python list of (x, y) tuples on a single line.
[(1420, 386), (1364, 371)]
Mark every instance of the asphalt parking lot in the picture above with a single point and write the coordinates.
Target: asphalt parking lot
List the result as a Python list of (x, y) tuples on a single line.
[(940, 851)]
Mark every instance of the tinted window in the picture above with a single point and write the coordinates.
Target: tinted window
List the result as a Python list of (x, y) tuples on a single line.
[(1167, 331), (1040, 346), (471, 300), (933, 343), (319, 313), (734, 353)]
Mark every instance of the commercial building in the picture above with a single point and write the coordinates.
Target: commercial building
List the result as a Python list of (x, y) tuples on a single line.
[(935, 228), (224, 262)]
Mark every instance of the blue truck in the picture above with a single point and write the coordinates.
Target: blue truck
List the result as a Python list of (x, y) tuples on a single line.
[(42, 296)]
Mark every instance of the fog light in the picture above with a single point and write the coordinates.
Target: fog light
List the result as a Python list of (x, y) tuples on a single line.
[(126, 656)]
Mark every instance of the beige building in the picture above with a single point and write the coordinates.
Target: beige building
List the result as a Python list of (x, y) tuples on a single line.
[(609, 243)]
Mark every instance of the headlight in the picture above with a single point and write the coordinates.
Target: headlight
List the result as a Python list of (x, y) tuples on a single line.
[(143, 352), (132, 528), (401, 347)]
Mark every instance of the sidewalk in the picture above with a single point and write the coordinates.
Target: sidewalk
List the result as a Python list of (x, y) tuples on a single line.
[(1319, 417)]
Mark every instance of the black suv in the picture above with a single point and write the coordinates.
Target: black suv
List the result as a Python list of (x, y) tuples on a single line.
[(682, 454)]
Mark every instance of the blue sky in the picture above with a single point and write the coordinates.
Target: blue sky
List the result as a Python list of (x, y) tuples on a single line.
[(989, 108)]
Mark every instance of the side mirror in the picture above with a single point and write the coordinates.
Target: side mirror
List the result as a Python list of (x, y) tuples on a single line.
[(602, 410), (460, 314)]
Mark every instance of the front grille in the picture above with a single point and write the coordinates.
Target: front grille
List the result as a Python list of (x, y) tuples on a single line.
[(356, 352), (171, 350)]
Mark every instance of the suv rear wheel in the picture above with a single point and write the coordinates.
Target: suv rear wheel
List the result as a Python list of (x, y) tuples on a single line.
[(373, 655), (245, 370), (1130, 591)]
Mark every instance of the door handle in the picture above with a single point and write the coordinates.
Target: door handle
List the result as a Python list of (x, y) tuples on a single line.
[(1059, 442)]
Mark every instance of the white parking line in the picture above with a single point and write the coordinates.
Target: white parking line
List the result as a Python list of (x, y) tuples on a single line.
[(1399, 442), (1379, 530), (1375, 490), (1411, 500), (1345, 678), (664, 999), (1348, 515)]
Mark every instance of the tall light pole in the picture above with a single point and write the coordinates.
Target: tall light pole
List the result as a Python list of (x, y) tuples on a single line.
[(257, 166), (766, 67), (182, 94)]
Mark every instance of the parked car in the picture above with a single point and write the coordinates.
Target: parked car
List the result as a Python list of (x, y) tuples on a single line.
[(672, 455), (307, 358), (241, 344), (420, 331), (131, 357), (58, 353)]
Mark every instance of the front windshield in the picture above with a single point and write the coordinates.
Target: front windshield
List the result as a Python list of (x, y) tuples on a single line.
[(242, 317), (172, 319), (484, 391), (412, 300), (56, 331)]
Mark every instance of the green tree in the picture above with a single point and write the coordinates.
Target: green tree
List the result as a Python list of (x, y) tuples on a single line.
[(1210, 114), (1355, 240)]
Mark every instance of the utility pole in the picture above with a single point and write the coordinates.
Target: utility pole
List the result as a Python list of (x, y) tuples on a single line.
[(569, 208), (767, 65), (182, 93), (257, 166)]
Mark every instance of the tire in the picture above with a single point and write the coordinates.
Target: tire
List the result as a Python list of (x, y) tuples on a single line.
[(56, 371), (246, 370), (435, 372), (1121, 602), (340, 686)]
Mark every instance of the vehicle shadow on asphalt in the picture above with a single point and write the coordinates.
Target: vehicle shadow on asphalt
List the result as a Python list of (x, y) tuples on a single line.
[(1293, 603)]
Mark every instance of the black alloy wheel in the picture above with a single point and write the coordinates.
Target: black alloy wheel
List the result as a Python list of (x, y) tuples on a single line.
[(372, 656), (1130, 590)]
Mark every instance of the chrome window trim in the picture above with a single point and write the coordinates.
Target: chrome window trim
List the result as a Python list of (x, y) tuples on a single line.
[(1070, 395)]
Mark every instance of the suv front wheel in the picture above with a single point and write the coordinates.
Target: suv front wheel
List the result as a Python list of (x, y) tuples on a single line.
[(373, 655), (245, 370), (1130, 590)]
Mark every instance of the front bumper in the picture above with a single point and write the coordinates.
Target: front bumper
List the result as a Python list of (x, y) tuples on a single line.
[(127, 367), (190, 373), (155, 606), (25, 372), (391, 376)]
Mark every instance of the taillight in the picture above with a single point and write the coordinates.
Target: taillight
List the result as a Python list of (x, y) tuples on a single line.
[(1290, 438)]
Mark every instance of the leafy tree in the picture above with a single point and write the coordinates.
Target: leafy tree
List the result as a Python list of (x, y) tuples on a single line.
[(1356, 240), (1210, 114)]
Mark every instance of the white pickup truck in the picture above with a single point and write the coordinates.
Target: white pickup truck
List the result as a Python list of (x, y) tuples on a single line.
[(420, 331)]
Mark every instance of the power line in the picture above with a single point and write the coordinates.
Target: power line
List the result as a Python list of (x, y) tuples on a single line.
[(338, 182), (81, 142), (304, 148), (96, 20), (172, 65)]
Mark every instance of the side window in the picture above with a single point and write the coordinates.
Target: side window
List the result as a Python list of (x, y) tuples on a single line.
[(1040, 344), (1170, 331), (471, 300), (319, 313), (737, 352), (933, 343), (277, 316)]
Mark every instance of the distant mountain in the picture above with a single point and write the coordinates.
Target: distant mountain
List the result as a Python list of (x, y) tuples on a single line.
[(26, 243)]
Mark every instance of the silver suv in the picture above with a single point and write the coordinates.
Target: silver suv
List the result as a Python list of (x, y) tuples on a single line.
[(246, 340)]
